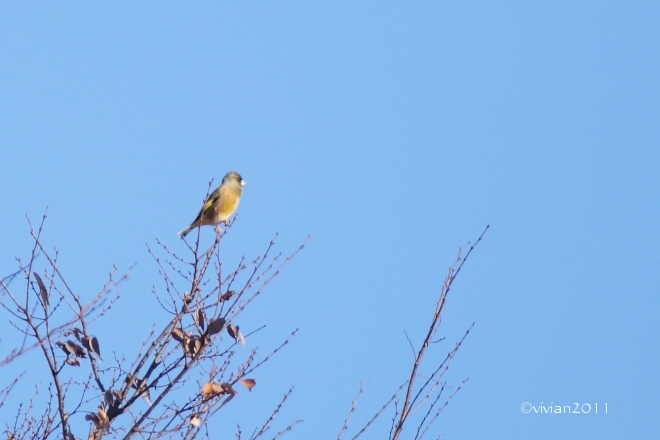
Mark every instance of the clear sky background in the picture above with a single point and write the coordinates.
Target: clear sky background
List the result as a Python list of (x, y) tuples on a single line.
[(393, 133)]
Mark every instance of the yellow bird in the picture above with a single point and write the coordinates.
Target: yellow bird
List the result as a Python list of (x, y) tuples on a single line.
[(221, 204)]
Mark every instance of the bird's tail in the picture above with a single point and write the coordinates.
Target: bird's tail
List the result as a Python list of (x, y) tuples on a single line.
[(185, 231)]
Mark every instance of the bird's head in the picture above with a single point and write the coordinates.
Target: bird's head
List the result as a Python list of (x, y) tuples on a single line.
[(233, 178)]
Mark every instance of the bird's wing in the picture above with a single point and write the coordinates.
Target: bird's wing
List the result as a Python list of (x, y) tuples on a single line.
[(211, 200), (215, 195)]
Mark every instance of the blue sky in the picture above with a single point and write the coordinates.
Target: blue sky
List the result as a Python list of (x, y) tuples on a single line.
[(393, 133)]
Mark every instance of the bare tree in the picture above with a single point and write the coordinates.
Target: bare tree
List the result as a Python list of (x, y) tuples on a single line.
[(186, 369), (425, 393)]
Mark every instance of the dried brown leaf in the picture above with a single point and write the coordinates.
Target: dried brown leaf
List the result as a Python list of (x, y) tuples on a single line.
[(94, 419), (111, 397), (227, 295), (232, 330), (235, 332), (215, 326), (75, 349), (146, 395), (212, 389), (142, 388), (248, 383), (96, 349), (74, 331), (104, 421), (71, 348), (73, 362), (207, 390), (91, 343), (193, 345), (227, 388), (178, 334), (199, 318), (43, 292), (108, 398)]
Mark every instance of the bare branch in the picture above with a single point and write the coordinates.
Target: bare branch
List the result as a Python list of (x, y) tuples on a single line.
[(350, 413)]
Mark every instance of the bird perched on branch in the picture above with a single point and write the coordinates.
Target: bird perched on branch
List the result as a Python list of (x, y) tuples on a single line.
[(221, 204)]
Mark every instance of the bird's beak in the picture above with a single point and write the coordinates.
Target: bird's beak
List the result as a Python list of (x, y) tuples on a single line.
[(243, 182)]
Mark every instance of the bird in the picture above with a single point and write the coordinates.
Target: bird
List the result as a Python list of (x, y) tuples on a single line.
[(221, 204)]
